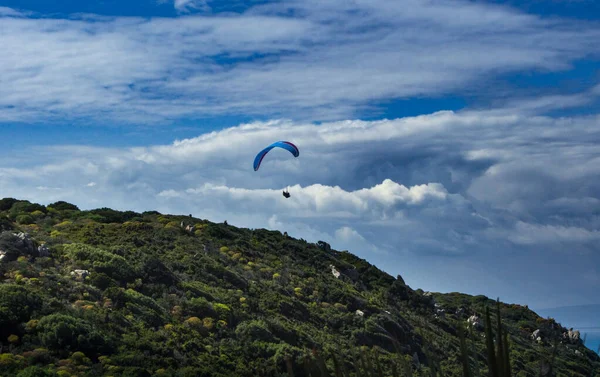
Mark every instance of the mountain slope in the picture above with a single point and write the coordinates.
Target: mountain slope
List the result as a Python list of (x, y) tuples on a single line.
[(110, 293)]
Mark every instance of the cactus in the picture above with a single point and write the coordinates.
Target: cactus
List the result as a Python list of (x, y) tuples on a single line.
[(464, 352), (489, 340)]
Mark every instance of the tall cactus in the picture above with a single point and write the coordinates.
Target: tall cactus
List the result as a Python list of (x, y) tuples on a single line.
[(463, 352), (489, 340), (500, 364)]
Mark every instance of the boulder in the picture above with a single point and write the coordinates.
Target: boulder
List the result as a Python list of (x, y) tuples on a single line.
[(80, 273), (475, 322), (14, 245), (43, 251), (335, 272), (25, 243), (572, 336), (324, 246)]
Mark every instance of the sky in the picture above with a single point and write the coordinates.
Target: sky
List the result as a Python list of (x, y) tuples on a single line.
[(456, 143)]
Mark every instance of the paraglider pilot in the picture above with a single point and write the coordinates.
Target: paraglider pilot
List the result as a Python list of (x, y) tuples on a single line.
[(279, 144)]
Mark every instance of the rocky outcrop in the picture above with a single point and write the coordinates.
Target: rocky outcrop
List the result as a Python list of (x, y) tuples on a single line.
[(571, 336), (475, 322), (25, 243), (14, 245), (352, 273), (82, 274), (324, 246), (335, 272), (43, 251), (400, 289)]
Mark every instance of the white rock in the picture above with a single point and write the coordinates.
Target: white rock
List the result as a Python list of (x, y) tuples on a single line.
[(80, 273), (335, 272)]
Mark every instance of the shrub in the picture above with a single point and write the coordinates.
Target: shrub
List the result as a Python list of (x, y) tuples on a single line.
[(222, 310), (17, 304), (194, 322), (199, 306), (64, 332), (35, 371), (208, 323), (254, 330), (13, 338), (25, 219)]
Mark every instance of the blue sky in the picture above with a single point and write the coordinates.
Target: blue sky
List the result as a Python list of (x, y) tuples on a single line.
[(456, 143)]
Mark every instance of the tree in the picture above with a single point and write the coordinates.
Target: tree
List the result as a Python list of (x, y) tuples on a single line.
[(7, 203), (63, 206)]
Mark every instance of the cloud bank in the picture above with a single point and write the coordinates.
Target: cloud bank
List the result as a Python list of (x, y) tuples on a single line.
[(300, 59)]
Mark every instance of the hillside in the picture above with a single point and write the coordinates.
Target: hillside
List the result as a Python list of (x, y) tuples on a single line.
[(110, 293)]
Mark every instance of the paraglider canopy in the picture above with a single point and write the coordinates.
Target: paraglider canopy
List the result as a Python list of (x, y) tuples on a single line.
[(278, 144)]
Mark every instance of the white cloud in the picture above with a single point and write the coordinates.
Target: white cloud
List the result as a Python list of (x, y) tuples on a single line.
[(45, 188), (378, 202), (347, 238), (189, 5), (551, 234), (332, 60), (348, 234), (9, 12)]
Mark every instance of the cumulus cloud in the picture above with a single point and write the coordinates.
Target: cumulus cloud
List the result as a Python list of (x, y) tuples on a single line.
[(328, 61)]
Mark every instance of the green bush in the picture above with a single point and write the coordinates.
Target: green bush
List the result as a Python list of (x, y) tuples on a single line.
[(35, 371), (200, 307), (62, 332), (25, 219), (17, 305)]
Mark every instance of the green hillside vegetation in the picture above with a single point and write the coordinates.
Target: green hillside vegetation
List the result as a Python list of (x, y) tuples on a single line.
[(111, 293)]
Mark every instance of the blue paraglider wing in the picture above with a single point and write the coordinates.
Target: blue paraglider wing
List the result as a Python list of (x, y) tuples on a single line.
[(280, 144)]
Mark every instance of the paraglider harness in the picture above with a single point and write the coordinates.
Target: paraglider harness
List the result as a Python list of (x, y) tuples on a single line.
[(286, 193)]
